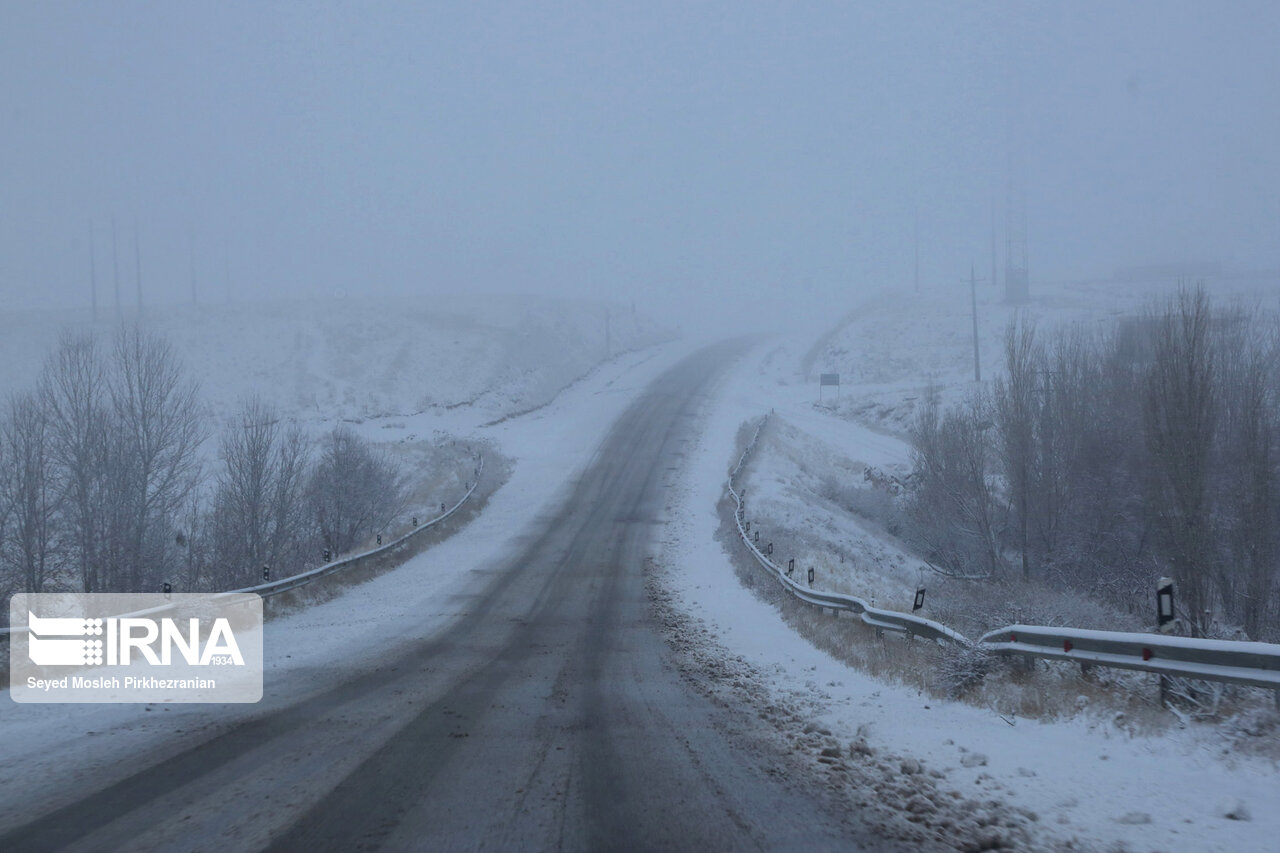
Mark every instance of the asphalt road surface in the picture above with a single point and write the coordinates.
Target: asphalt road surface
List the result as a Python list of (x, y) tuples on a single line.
[(548, 716)]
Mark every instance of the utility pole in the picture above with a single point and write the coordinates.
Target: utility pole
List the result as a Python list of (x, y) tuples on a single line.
[(93, 275), (994, 281), (115, 265), (973, 301), (1017, 281), (137, 265)]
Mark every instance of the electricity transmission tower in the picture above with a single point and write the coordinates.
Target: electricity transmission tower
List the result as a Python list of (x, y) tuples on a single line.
[(973, 303), (1017, 283)]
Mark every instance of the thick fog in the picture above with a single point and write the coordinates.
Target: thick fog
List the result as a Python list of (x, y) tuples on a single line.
[(684, 157)]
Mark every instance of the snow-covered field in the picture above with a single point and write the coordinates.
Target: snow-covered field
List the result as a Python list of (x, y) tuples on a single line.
[(355, 359), (410, 375), (1093, 778), (890, 350)]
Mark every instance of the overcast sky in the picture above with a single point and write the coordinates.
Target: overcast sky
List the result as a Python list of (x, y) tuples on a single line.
[(676, 154)]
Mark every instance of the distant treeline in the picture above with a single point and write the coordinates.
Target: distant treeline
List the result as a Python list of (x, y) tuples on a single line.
[(1104, 460), (103, 487)]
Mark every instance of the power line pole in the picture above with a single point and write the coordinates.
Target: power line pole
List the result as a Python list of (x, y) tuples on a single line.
[(1017, 279), (994, 280)]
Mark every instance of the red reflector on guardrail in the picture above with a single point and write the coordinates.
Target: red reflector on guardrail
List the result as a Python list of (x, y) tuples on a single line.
[(1066, 645), (1013, 638), (1146, 654)]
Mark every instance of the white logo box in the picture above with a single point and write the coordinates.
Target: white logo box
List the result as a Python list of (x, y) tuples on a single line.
[(135, 647)]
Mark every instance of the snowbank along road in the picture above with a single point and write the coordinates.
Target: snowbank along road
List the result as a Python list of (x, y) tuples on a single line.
[(547, 716)]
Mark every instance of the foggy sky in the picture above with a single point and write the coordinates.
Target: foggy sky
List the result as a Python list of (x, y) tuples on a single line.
[(675, 154)]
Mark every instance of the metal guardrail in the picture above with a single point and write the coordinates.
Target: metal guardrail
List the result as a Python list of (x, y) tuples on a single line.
[(302, 579), (1230, 661), (881, 620), (271, 588), (1233, 661)]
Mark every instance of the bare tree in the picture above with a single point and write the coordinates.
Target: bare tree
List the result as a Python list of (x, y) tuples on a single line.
[(1016, 412), (259, 501), (1153, 450), (958, 520), (158, 429), (288, 505), (1247, 507), (1180, 418), (32, 492), (8, 582), (73, 394), (353, 490)]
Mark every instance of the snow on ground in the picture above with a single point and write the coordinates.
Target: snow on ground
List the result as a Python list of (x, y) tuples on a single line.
[(304, 648), (1091, 781), (891, 349), (410, 375), (354, 359), (816, 506)]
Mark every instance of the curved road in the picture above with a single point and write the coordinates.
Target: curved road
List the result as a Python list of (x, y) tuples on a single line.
[(548, 716)]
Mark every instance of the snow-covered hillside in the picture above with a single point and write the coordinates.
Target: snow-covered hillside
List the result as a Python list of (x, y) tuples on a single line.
[(355, 359), (889, 350), (1079, 773)]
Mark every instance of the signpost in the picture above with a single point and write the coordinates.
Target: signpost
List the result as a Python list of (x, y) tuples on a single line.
[(826, 379), (1164, 605)]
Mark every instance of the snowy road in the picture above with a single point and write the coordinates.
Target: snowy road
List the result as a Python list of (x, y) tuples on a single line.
[(549, 716)]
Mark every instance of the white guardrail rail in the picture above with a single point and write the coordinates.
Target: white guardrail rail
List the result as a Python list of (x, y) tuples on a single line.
[(1236, 662), (266, 590)]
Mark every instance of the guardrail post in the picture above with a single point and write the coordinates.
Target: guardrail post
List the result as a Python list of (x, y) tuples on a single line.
[(1164, 691)]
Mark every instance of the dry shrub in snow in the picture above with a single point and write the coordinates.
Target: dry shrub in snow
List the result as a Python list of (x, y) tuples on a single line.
[(962, 668)]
